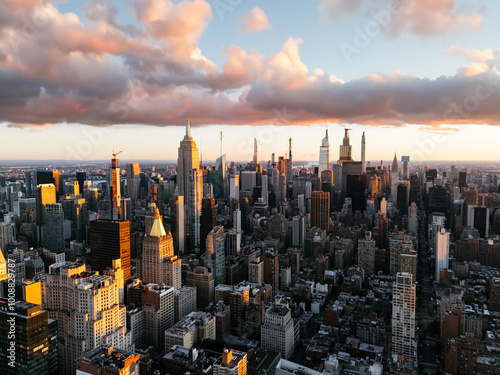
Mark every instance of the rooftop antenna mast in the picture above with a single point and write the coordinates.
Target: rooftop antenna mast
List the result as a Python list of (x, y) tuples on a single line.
[(220, 143)]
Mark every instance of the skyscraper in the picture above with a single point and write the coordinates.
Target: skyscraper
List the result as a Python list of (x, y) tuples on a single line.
[(363, 153), (345, 153), (158, 264), (157, 301), (178, 223), (208, 220), (234, 187), (203, 280), (320, 210), (442, 251), (133, 172), (404, 344), (34, 338), (86, 305), (115, 186), (45, 194), (110, 239), (216, 254), (324, 155), (53, 230), (277, 332), (289, 164), (190, 184), (255, 149)]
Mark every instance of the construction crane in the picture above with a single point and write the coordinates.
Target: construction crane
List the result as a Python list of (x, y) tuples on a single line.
[(116, 153)]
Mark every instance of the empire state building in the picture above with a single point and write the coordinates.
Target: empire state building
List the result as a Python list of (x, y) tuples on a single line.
[(190, 185)]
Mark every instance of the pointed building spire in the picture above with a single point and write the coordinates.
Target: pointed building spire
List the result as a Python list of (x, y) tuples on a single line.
[(188, 128)]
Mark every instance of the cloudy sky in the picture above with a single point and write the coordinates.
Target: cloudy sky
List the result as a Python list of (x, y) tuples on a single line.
[(81, 78)]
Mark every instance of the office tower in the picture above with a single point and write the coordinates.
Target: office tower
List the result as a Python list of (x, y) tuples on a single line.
[(47, 177), (363, 153), (191, 330), (277, 332), (232, 362), (265, 187), (28, 181), (408, 263), (133, 173), (349, 168), (289, 163), (234, 187), (413, 219), (178, 223), (27, 328), (404, 344), (218, 178), (437, 200), (256, 271), (413, 196), (86, 306), (479, 218), (106, 359), (158, 264), (7, 234), (215, 254), (462, 179), (405, 172), (232, 242), (190, 185), (402, 197), (324, 155), (383, 206), (45, 194), (345, 153), (76, 211), (115, 188), (255, 159), (374, 185), (184, 301), (320, 210), (53, 230), (81, 177), (298, 231), (157, 302), (366, 254), (203, 280), (442, 251), (271, 270), (248, 181), (208, 220), (394, 179), (110, 239), (245, 215), (355, 189), (398, 244)]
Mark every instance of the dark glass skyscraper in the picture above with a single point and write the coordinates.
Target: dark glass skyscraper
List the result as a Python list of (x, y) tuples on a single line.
[(109, 240), (35, 339)]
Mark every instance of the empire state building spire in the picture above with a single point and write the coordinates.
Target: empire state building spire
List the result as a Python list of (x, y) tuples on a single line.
[(188, 129)]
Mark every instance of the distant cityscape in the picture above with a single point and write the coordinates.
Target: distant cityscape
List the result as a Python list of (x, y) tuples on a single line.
[(258, 267)]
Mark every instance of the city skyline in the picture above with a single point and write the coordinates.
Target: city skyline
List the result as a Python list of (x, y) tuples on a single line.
[(387, 69)]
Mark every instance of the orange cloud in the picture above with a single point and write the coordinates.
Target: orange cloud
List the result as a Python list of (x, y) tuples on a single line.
[(424, 18), (254, 21)]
